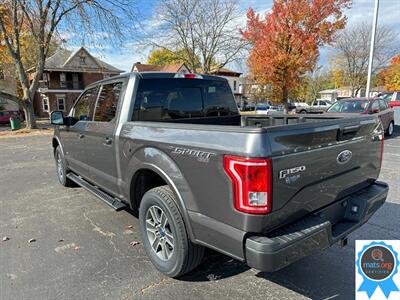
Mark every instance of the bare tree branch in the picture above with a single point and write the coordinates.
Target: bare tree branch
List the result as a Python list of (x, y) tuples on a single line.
[(352, 47), (207, 30)]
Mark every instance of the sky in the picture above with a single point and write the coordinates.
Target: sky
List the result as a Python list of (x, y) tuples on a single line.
[(361, 11)]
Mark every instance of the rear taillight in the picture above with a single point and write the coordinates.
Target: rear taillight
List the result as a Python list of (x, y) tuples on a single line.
[(252, 183)]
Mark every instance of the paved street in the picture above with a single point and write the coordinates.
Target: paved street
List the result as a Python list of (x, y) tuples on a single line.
[(81, 247)]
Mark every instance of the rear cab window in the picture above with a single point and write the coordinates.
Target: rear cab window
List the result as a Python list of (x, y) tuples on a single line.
[(166, 99)]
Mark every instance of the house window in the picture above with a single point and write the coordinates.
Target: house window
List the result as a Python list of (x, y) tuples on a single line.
[(234, 85), (106, 75), (82, 60), (63, 82), (45, 77), (45, 104), (61, 103)]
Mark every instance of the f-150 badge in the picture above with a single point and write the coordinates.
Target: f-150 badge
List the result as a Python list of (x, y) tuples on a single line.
[(289, 172)]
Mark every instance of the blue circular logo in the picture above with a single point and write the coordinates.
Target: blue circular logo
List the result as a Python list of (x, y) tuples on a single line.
[(377, 263)]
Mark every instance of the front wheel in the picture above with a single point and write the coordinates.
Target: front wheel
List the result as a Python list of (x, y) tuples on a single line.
[(62, 169), (390, 130), (164, 235)]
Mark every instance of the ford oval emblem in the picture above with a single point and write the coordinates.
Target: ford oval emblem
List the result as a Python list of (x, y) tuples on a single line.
[(344, 157)]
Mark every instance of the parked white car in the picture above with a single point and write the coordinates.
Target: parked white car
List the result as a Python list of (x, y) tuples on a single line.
[(301, 107), (319, 106)]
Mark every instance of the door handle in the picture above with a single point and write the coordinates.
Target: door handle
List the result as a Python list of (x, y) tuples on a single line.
[(81, 136), (107, 141)]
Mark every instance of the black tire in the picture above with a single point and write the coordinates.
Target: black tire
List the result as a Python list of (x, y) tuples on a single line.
[(183, 256), (303, 111), (62, 169), (390, 129)]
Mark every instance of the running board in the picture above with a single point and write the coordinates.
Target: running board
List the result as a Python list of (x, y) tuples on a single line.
[(113, 202)]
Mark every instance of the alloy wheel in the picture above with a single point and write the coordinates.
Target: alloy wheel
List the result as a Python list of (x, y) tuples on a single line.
[(159, 232), (390, 129), (60, 169)]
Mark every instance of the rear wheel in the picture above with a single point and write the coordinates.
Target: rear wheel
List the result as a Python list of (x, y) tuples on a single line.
[(303, 111), (390, 130), (62, 169), (164, 235)]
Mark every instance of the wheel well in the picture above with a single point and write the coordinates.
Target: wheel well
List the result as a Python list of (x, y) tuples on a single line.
[(143, 181)]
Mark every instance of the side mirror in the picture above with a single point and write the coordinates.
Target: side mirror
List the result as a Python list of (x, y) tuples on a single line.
[(57, 118)]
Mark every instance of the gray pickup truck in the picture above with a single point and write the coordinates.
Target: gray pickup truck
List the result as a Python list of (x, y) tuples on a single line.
[(265, 190)]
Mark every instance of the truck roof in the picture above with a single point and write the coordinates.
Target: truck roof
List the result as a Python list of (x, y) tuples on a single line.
[(155, 74), (152, 74)]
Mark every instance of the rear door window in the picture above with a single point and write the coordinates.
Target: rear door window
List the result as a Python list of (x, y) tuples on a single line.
[(106, 106)]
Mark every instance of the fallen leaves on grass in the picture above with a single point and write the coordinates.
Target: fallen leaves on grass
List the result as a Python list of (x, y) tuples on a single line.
[(26, 132)]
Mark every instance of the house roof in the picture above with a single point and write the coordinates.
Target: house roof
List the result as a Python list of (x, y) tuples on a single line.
[(168, 68), (59, 61), (224, 71)]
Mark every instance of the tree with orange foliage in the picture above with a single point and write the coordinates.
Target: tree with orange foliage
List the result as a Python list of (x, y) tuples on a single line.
[(390, 77), (285, 43)]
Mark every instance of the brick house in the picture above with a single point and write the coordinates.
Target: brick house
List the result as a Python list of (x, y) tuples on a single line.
[(65, 76)]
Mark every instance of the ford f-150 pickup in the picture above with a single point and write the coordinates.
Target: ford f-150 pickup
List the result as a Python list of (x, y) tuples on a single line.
[(265, 190)]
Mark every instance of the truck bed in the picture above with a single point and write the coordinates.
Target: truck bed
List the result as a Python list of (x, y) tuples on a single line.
[(258, 121)]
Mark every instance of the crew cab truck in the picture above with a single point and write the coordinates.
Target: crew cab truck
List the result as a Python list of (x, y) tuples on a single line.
[(265, 190)]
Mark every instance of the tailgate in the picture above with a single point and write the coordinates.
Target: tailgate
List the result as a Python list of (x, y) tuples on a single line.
[(318, 163)]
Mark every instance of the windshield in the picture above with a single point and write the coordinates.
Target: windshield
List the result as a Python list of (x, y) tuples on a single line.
[(349, 106), (387, 96)]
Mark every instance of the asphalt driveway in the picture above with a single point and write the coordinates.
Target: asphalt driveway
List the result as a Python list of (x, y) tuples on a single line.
[(62, 243)]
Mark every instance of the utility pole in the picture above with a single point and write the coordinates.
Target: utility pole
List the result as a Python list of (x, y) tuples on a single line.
[(371, 50)]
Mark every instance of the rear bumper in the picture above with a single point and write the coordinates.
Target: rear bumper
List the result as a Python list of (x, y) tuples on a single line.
[(315, 232)]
